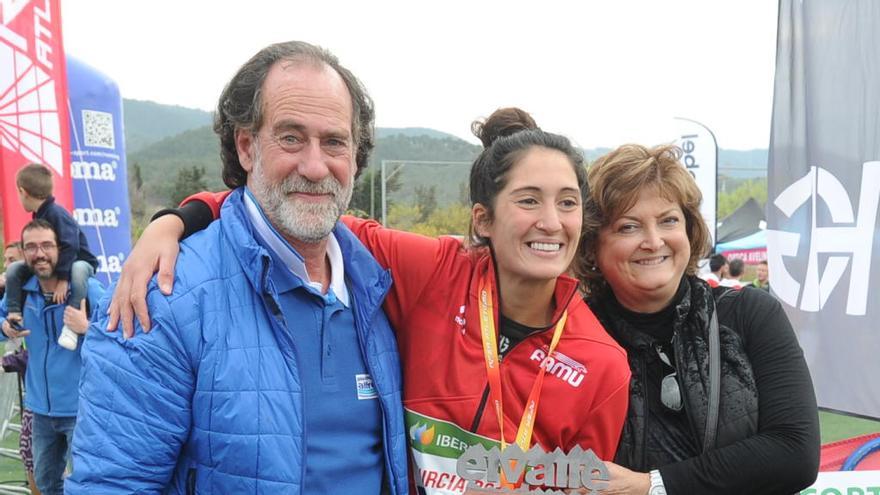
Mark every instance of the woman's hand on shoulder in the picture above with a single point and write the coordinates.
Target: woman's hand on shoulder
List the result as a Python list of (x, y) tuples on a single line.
[(155, 251)]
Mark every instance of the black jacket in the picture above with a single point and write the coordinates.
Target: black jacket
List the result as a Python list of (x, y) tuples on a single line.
[(768, 432)]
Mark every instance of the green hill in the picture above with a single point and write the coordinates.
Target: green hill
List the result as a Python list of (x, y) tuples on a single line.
[(163, 139), (147, 122), (160, 161), (743, 164), (382, 132), (448, 179)]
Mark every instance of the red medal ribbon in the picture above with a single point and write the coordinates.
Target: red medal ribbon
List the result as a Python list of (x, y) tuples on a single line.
[(493, 370)]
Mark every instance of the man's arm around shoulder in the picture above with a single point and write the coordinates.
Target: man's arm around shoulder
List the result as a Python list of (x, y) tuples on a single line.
[(134, 404)]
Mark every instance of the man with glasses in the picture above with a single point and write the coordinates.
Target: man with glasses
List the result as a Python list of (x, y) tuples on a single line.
[(53, 381)]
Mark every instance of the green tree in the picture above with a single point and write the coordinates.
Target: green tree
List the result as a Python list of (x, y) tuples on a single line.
[(403, 216), (138, 180), (730, 201), (367, 194), (464, 194), (136, 196), (137, 201), (426, 199), (189, 180), (449, 220)]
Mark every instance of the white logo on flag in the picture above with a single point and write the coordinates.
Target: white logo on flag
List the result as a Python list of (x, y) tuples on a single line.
[(9, 9), (28, 110), (854, 240)]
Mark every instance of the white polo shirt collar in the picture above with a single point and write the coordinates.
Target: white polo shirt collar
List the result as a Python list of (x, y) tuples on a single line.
[(292, 259)]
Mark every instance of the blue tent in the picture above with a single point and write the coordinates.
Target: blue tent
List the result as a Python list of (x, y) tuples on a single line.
[(754, 241)]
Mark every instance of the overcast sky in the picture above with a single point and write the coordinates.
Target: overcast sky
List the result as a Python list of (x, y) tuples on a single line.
[(601, 72)]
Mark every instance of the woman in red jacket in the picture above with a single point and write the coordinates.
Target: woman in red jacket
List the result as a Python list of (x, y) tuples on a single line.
[(490, 329)]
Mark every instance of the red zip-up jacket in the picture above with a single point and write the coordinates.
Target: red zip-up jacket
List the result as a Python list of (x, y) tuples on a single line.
[(433, 306)]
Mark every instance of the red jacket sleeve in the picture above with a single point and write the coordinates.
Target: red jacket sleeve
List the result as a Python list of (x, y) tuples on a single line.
[(414, 260), (211, 199)]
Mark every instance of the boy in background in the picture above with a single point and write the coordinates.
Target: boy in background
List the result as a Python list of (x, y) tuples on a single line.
[(75, 262)]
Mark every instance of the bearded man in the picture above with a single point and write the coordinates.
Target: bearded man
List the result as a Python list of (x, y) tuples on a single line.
[(273, 368), (52, 379)]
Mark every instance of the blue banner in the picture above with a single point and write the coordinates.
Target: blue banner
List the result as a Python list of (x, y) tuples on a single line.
[(98, 168)]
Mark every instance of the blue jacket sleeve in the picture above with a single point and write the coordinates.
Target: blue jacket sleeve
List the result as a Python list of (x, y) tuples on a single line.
[(134, 405), (94, 296), (3, 313)]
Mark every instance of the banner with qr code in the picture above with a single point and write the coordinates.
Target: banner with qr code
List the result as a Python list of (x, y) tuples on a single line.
[(33, 103), (98, 167)]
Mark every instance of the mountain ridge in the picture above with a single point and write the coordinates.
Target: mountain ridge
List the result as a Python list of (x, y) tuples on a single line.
[(163, 139)]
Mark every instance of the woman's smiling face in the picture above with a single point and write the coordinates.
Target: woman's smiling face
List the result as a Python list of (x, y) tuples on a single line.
[(644, 252), (537, 218)]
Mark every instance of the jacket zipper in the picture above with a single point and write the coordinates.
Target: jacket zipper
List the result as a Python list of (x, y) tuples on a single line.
[(46, 361), (643, 374), (679, 365), (476, 423), (277, 317), (366, 357), (360, 338)]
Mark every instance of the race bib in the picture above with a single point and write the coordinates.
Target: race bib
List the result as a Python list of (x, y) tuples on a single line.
[(450, 460), (436, 446)]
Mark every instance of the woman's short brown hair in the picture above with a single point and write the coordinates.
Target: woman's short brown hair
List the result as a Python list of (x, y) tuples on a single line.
[(616, 180)]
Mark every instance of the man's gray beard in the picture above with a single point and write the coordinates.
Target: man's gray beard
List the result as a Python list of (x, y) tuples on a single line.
[(306, 222)]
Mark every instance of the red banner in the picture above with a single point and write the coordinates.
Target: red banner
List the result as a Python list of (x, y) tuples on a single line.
[(33, 103), (749, 256)]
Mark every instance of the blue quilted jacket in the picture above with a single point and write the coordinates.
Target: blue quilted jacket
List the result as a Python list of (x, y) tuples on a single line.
[(210, 400), (53, 371)]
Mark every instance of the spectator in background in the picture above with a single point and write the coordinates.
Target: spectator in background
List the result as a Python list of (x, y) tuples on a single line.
[(762, 281), (735, 270), (16, 362), (717, 270), (11, 254), (75, 263), (52, 385)]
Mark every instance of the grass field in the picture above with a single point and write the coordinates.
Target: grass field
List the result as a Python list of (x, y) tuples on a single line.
[(838, 426), (834, 427), (11, 470)]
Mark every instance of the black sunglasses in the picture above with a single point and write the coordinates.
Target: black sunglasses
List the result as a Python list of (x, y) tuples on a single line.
[(670, 392)]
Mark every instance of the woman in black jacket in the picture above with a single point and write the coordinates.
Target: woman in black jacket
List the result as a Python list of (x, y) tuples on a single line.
[(721, 400)]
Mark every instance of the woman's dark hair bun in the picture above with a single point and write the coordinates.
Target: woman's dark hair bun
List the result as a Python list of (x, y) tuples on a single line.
[(502, 122)]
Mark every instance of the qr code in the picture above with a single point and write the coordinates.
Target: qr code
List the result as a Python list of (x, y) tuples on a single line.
[(98, 129)]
